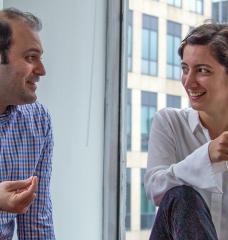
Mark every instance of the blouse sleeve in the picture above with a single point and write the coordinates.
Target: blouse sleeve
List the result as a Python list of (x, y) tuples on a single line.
[(163, 170)]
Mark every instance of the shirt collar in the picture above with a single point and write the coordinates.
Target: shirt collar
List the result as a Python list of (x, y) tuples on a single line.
[(193, 119), (11, 110)]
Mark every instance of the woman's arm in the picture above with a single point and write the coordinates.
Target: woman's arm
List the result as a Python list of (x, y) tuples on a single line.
[(165, 170)]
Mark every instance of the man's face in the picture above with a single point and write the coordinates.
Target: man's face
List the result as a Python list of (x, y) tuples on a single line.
[(18, 78)]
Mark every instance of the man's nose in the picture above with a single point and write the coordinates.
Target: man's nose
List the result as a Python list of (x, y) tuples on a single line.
[(40, 69)]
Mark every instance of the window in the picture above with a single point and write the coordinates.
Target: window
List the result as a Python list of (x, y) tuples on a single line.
[(147, 208), (130, 39), (173, 43), (128, 199), (173, 101), (219, 11), (153, 83), (148, 109), (196, 6), (129, 119), (149, 45), (176, 3)]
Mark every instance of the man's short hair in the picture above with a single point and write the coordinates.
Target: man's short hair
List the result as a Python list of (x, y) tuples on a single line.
[(13, 14)]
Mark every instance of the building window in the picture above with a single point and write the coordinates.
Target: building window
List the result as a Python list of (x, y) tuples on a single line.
[(128, 199), (176, 3), (173, 101), (196, 6), (173, 43), (129, 107), (148, 209), (150, 45), (148, 109), (219, 11), (130, 39)]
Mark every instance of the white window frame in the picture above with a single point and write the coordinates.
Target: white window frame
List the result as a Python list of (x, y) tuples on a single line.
[(114, 174)]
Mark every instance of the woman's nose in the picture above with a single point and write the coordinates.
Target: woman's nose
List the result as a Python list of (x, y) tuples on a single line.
[(190, 80)]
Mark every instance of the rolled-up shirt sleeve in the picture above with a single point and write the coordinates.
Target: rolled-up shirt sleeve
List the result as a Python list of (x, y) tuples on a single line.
[(165, 170)]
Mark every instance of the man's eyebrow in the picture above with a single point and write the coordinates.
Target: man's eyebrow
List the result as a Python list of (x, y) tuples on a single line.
[(33, 50)]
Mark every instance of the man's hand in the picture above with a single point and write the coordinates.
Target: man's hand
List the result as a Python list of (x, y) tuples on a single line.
[(218, 148), (16, 196)]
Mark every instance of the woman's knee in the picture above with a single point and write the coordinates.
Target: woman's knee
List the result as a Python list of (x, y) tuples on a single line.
[(184, 195)]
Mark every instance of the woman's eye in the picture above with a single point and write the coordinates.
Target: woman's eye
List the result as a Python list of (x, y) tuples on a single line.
[(185, 70), (204, 70)]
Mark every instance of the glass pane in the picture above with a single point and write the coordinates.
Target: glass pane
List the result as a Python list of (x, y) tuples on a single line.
[(152, 42), (169, 71), (128, 199), (171, 2), (153, 46), (170, 49), (173, 101), (199, 6), (130, 64), (145, 44), (177, 72), (129, 40), (178, 3), (145, 66), (153, 68), (175, 49), (128, 126), (147, 208), (147, 114)]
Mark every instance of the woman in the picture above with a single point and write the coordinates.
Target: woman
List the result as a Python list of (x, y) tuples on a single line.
[(187, 167)]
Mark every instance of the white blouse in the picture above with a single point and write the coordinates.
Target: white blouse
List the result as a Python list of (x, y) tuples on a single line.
[(178, 154)]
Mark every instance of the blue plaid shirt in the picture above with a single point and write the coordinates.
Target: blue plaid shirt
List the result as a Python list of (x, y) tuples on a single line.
[(26, 145)]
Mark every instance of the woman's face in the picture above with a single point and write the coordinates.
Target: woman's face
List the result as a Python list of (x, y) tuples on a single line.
[(204, 79)]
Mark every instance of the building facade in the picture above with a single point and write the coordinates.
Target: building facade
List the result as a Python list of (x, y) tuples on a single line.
[(155, 30), (220, 10)]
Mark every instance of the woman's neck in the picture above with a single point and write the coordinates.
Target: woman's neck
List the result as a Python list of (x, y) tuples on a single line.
[(216, 123)]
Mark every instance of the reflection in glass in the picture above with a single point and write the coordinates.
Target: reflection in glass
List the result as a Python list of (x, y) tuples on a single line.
[(148, 109), (147, 208), (173, 43), (149, 45), (128, 199)]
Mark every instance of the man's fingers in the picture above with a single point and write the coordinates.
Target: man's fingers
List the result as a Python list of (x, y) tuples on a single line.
[(24, 197), (28, 193), (19, 184)]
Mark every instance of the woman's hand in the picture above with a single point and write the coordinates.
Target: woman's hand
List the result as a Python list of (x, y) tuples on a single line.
[(17, 196), (218, 148)]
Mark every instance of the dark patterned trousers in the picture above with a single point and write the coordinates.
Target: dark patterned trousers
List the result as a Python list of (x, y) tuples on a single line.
[(183, 215)]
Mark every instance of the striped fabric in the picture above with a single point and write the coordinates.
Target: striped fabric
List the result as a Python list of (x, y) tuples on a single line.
[(26, 145)]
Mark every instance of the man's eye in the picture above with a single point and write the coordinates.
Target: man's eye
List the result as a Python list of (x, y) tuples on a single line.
[(30, 58)]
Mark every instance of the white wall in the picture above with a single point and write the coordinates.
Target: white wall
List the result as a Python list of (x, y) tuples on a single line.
[(67, 37)]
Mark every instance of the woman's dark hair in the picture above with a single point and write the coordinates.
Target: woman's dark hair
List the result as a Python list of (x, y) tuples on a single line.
[(6, 31), (214, 35)]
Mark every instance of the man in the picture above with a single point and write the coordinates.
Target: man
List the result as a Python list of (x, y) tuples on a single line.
[(25, 129)]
